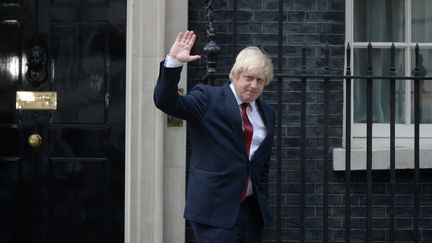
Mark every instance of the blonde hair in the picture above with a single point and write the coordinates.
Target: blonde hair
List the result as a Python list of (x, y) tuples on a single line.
[(254, 61)]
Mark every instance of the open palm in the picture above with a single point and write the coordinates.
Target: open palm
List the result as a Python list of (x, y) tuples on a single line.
[(182, 46)]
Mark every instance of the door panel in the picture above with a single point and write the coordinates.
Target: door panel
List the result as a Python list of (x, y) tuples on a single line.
[(80, 192), (10, 59), (9, 142), (9, 198), (79, 142), (71, 187), (84, 76)]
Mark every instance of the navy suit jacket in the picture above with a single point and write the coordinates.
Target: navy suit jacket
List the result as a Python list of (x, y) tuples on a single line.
[(219, 165)]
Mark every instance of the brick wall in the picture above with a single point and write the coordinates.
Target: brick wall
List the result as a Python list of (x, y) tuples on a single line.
[(310, 24)]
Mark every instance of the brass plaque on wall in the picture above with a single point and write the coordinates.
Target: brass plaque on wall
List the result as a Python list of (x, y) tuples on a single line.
[(36, 100)]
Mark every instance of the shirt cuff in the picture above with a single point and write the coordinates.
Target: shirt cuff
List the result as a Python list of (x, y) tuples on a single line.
[(171, 62)]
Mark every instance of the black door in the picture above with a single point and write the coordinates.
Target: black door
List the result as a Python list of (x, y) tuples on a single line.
[(62, 159)]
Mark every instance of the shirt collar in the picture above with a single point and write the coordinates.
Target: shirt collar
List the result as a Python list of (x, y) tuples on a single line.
[(239, 102)]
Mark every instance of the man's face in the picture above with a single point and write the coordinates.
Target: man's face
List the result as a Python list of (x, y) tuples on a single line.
[(248, 86)]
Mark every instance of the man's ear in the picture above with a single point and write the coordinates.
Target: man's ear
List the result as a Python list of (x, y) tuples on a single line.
[(234, 76)]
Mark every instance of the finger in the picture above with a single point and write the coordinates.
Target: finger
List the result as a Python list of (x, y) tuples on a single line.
[(186, 37), (191, 42), (179, 37)]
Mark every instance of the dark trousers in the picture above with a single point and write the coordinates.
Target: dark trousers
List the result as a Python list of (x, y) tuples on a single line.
[(247, 229)]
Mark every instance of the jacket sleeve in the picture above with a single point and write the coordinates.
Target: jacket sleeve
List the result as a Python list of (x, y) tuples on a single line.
[(166, 97)]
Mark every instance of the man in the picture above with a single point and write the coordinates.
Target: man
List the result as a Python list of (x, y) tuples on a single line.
[(231, 132)]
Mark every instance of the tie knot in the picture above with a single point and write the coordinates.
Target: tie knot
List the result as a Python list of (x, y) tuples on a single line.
[(244, 106)]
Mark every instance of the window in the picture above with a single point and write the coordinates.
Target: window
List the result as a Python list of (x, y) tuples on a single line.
[(383, 22)]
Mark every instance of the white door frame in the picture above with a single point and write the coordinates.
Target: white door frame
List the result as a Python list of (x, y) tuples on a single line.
[(155, 153)]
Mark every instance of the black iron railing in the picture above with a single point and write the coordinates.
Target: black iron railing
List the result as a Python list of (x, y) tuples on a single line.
[(369, 145)]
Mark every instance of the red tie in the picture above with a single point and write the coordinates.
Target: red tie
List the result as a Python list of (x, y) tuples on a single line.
[(248, 132), (248, 128)]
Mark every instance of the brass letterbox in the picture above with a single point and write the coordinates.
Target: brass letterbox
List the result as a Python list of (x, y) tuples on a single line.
[(36, 100)]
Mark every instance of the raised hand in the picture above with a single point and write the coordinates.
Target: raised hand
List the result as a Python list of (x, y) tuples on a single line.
[(182, 46)]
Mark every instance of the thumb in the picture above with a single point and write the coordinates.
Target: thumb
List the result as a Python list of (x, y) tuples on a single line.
[(194, 58)]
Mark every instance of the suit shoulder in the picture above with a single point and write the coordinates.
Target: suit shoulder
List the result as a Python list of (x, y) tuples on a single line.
[(206, 87), (267, 106), (207, 90)]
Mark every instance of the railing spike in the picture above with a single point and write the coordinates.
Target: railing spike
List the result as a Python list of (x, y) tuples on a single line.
[(369, 59), (348, 58)]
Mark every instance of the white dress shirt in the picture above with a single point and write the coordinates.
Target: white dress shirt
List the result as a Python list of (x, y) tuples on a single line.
[(170, 62)]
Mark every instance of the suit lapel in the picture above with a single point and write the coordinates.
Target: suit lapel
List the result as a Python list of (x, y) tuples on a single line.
[(268, 122), (233, 115), (264, 112)]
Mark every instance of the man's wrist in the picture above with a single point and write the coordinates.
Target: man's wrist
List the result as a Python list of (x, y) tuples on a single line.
[(171, 62)]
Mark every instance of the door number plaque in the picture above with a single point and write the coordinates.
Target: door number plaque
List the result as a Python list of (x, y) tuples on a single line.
[(36, 100)]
